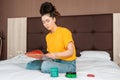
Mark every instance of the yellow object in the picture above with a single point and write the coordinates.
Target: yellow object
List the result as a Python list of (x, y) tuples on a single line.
[(58, 42)]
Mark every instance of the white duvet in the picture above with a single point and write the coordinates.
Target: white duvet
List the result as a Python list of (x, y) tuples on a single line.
[(14, 69)]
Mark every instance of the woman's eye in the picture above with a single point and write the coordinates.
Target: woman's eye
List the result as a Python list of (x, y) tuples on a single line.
[(47, 21)]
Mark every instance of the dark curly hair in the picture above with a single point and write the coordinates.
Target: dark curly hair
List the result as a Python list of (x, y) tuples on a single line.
[(48, 8)]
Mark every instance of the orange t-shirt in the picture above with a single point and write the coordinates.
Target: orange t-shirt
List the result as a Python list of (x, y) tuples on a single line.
[(58, 42)]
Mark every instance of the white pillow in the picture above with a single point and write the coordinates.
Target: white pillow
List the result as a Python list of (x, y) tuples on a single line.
[(95, 54)]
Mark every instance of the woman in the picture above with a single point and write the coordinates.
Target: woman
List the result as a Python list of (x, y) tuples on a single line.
[(60, 44)]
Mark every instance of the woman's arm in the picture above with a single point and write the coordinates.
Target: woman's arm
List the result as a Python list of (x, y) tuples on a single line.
[(67, 53)]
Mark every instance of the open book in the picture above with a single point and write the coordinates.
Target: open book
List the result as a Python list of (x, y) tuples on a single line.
[(38, 54)]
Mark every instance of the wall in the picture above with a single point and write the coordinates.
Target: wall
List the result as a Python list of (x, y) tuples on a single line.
[(30, 8), (14, 8)]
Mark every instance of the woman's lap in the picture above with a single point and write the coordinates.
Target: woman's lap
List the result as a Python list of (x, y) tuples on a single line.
[(44, 66)]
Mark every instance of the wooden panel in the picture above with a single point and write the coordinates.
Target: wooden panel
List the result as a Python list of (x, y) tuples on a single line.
[(116, 36), (16, 41)]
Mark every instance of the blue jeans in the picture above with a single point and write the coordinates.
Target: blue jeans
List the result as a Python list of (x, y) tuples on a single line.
[(44, 66)]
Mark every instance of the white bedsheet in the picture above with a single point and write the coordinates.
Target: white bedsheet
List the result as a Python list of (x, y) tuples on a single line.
[(14, 69)]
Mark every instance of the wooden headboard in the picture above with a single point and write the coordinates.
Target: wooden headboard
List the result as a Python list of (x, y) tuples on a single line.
[(90, 32)]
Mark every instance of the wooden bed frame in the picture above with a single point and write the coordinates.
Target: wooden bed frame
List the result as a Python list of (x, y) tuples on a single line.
[(90, 32), (1, 42)]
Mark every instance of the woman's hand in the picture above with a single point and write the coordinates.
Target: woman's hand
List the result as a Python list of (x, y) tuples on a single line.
[(39, 56), (50, 55)]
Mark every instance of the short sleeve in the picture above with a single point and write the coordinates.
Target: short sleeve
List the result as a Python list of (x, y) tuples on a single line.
[(67, 37)]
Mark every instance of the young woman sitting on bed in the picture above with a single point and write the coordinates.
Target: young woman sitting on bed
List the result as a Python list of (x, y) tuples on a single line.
[(60, 44)]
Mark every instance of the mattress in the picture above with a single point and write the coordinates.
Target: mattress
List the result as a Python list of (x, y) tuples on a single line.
[(14, 69)]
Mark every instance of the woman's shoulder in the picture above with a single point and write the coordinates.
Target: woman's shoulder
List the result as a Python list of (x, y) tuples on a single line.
[(63, 28)]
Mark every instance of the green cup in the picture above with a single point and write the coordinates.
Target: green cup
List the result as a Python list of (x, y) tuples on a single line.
[(54, 72)]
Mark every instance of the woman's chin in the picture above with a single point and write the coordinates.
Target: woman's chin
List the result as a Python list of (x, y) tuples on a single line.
[(49, 29)]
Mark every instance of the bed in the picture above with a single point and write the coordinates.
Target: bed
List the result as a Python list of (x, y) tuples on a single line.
[(101, 68), (93, 36)]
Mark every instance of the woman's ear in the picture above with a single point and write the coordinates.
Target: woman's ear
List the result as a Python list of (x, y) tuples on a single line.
[(54, 19)]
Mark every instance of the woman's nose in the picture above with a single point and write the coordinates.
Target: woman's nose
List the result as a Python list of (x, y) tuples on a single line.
[(46, 24)]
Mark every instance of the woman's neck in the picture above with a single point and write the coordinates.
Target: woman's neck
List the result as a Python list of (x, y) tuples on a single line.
[(54, 28)]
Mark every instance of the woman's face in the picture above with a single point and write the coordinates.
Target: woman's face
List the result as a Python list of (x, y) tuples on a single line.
[(48, 22)]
